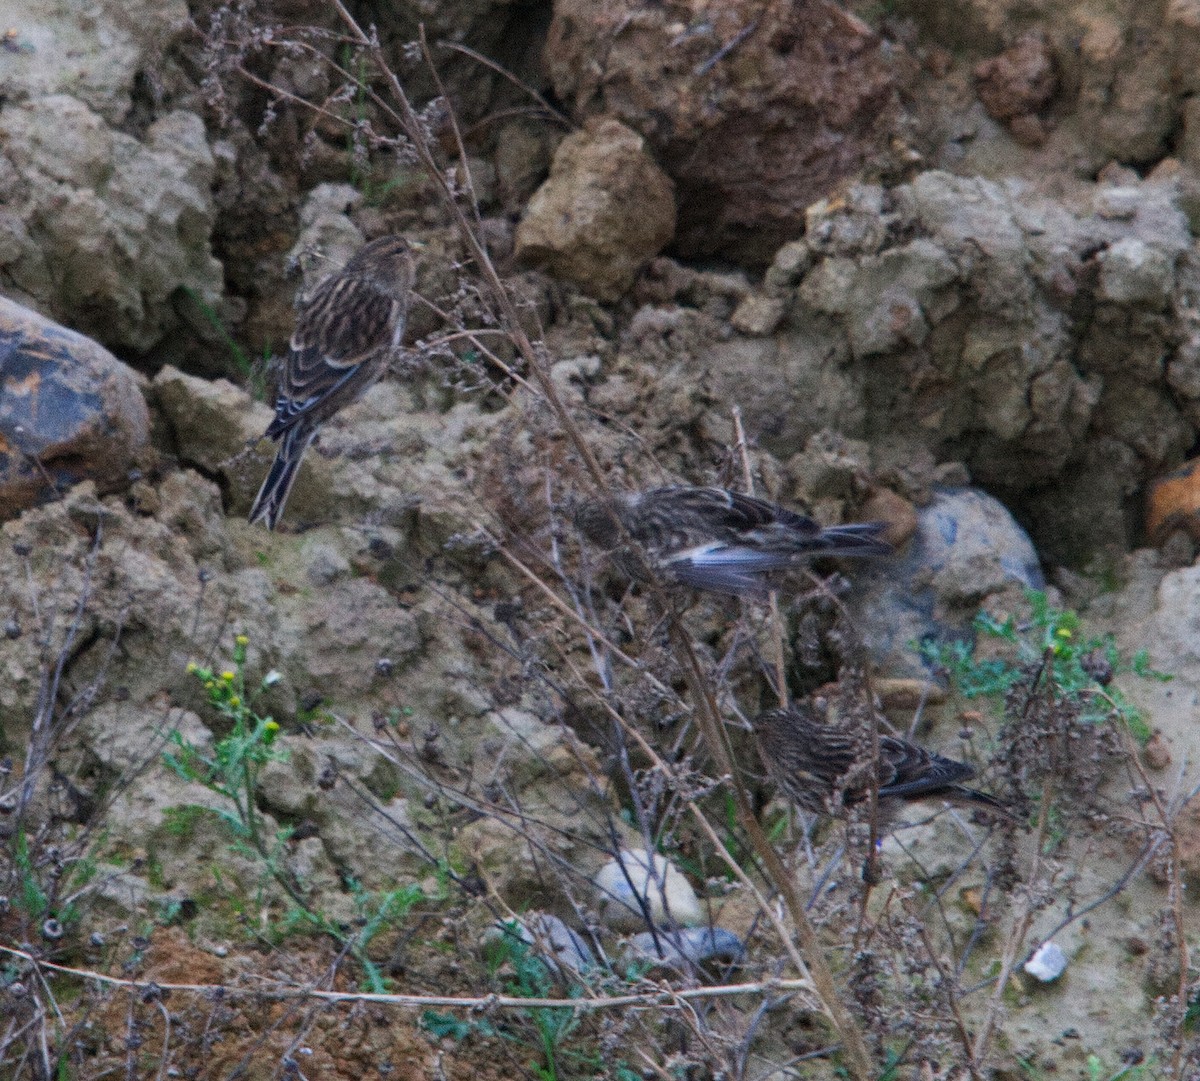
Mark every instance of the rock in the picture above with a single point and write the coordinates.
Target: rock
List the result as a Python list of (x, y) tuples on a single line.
[(523, 155), (218, 428), (885, 505), (1125, 110), (335, 645), (631, 894), (1173, 503), (1047, 963), (1134, 273), (1189, 140), (604, 212), (564, 953), (907, 694), (681, 949), (326, 564), (68, 410), (121, 225), (754, 112), (1020, 81), (788, 267), (1157, 752), (964, 339), (328, 238), (758, 316), (966, 547), (94, 54)]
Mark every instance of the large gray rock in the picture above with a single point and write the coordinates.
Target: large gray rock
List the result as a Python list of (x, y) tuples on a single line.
[(69, 410), (966, 548), (103, 229), (95, 52)]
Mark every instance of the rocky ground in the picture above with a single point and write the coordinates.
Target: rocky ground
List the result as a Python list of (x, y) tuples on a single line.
[(931, 265)]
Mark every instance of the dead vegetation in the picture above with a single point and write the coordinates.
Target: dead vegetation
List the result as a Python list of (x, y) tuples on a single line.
[(879, 964)]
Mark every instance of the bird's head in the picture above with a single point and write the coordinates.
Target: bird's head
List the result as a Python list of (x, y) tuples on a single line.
[(390, 261)]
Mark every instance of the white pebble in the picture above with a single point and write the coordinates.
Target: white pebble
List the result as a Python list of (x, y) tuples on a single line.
[(628, 889), (1047, 963)]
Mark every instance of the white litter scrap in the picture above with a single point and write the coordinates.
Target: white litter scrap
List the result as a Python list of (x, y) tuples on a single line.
[(1047, 963)]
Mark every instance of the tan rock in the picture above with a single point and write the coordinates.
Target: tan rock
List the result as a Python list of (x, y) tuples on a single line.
[(758, 315), (604, 212)]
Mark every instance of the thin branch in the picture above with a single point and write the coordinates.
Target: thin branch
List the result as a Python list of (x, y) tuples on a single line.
[(661, 996)]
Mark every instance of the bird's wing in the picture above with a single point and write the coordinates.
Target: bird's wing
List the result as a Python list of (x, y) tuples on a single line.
[(731, 512), (796, 742), (345, 321), (907, 770), (726, 568)]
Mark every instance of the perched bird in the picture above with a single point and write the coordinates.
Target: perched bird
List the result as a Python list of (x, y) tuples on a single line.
[(825, 769), (714, 539), (346, 334)]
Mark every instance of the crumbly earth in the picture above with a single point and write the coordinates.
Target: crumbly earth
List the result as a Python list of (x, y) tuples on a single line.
[(958, 273)]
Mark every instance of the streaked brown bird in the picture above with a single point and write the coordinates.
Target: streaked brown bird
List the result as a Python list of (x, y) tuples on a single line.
[(714, 539), (825, 769), (346, 334)]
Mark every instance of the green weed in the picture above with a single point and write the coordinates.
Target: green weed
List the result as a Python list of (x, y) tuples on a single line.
[(1051, 643), (231, 770)]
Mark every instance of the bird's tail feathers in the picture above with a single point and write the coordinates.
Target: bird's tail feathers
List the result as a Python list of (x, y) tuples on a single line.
[(272, 496), (855, 539), (971, 795)]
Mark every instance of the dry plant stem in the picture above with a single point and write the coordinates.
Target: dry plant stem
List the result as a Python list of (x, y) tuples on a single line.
[(851, 1037), (468, 228), (950, 986), (664, 996), (1175, 891), (708, 717), (776, 618), (504, 73), (1014, 942), (1022, 916), (718, 847), (567, 610)]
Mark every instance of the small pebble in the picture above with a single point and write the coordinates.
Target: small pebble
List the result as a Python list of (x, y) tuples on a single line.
[(1047, 963), (694, 945), (552, 941), (1157, 753), (629, 891)]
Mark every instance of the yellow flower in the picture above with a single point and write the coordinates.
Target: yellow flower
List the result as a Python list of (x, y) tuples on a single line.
[(227, 676), (234, 700), (192, 667), (1063, 632), (271, 726)]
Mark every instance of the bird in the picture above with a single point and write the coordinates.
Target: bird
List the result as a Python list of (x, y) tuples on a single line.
[(347, 331), (715, 539), (824, 768)]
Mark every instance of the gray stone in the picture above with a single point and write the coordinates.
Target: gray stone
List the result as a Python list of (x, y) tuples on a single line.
[(564, 952), (630, 891), (328, 238), (1047, 963), (690, 946), (758, 315), (967, 547), (122, 224), (1133, 272), (93, 52), (69, 410)]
